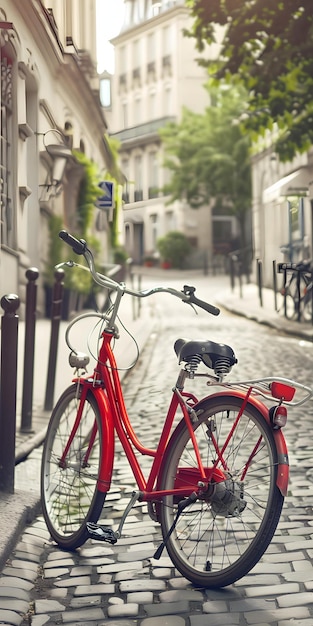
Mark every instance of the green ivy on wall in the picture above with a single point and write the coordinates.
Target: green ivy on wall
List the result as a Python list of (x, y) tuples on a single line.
[(89, 192)]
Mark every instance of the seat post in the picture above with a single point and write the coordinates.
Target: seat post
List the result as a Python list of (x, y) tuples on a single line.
[(181, 380)]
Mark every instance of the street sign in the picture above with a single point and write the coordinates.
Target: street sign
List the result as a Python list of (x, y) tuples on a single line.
[(107, 200)]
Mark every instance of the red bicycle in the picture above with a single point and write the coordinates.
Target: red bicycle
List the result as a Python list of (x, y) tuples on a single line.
[(217, 480)]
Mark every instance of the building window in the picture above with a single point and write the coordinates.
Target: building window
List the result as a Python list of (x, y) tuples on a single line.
[(123, 60), (167, 39), (124, 114), (222, 230), (152, 114), (167, 99), (7, 217), (105, 92), (153, 174), (68, 23), (296, 224), (138, 178), (154, 230), (136, 53), (156, 7), (137, 110), (170, 220), (151, 47), (125, 172)]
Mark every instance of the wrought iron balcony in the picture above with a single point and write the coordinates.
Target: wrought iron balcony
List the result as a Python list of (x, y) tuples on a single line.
[(138, 195)]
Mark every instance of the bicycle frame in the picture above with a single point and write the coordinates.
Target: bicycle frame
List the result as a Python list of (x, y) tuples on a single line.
[(106, 388)]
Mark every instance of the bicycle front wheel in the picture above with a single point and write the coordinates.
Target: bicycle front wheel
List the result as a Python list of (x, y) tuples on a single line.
[(291, 301), (307, 306), (223, 534), (69, 493)]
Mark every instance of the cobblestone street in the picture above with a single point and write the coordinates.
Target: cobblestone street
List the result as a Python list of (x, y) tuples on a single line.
[(123, 585)]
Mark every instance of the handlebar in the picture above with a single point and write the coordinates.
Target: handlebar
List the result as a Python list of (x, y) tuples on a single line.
[(189, 291), (79, 246)]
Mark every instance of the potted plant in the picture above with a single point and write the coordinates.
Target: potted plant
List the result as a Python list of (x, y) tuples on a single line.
[(149, 260), (120, 257), (166, 265), (174, 248)]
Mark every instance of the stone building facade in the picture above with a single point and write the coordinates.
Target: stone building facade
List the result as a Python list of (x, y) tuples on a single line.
[(50, 106)]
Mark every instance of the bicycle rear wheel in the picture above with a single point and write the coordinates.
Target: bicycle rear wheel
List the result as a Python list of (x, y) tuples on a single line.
[(221, 536), (69, 493)]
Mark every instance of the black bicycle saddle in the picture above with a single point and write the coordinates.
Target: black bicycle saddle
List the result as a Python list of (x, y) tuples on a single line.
[(210, 352)]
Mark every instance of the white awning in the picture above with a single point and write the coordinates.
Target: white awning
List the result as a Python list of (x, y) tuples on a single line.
[(132, 217), (295, 184)]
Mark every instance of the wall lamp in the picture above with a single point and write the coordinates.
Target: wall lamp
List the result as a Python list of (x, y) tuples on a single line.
[(54, 158)]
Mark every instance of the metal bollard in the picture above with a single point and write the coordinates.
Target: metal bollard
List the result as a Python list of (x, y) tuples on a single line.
[(133, 297), (232, 260), (9, 334), (260, 280), (139, 299), (205, 263), (56, 316), (29, 349), (275, 285), (312, 295), (285, 290), (298, 296)]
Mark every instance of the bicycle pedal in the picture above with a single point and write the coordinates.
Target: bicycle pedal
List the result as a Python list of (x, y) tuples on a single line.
[(101, 533)]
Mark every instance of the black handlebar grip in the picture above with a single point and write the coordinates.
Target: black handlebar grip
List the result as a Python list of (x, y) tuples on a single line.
[(214, 310), (78, 245), (190, 292)]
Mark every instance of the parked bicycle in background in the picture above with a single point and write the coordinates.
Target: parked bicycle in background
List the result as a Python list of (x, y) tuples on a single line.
[(297, 290)]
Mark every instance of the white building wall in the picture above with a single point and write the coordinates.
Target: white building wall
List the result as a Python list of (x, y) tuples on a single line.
[(272, 191), (156, 75)]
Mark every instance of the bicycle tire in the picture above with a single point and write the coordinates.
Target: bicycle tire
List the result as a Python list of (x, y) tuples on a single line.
[(69, 495), (307, 305), (214, 543), (291, 299)]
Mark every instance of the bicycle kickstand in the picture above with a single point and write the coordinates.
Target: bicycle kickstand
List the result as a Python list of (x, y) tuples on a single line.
[(105, 533), (181, 506)]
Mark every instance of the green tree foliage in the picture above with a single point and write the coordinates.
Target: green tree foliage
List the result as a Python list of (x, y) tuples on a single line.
[(267, 47), (208, 156)]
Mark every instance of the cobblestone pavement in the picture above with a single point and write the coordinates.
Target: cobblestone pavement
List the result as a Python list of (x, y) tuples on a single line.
[(123, 585)]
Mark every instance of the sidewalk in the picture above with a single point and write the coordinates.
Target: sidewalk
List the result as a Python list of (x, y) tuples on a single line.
[(248, 305), (20, 508)]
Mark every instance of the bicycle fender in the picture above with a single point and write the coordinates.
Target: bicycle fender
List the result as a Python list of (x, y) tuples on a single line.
[(281, 446), (107, 457)]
